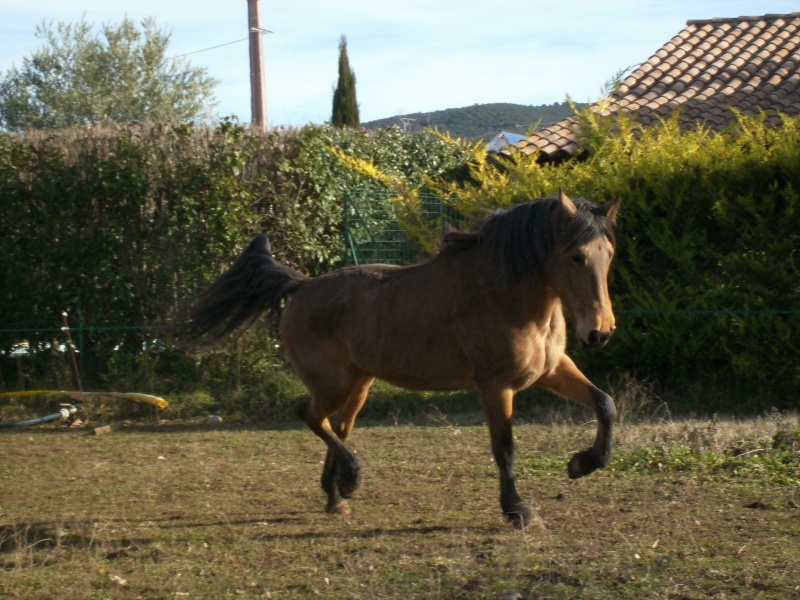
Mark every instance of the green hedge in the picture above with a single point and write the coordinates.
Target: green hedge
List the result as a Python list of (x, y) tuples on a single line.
[(124, 224), (706, 283), (127, 223)]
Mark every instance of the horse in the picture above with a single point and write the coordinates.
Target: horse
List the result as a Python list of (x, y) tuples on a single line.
[(486, 313)]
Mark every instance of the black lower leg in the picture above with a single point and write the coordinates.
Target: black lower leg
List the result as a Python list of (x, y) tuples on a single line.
[(348, 476), (599, 455), (328, 482), (347, 471), (512, 505), (341, 474)]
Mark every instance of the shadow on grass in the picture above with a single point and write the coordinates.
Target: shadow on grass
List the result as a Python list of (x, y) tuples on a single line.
[(299, 519), (27, 537), (26, 544)]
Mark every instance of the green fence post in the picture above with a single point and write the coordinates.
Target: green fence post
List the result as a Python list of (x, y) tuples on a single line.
[(349, 242)]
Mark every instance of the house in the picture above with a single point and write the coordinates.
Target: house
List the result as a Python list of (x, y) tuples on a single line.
[(503, 139), (748, 64)]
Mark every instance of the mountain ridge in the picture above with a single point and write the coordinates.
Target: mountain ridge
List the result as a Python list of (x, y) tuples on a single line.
[(480, 121)]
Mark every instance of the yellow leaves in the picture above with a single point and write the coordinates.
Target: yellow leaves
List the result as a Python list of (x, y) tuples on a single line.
[(365, 167), (406, 201), (406, 196), (623, 159)]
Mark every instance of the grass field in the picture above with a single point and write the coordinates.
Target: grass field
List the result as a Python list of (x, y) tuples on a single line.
[(689, 510)]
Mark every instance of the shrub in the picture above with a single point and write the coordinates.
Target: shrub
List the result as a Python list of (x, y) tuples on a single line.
[(706, 283), (120, 226)]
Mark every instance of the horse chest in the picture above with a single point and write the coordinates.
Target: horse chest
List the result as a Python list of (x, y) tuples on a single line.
[(518, 356), (536, 356)]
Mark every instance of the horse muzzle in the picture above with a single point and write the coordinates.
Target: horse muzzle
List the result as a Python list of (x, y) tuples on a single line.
[(597, 338)]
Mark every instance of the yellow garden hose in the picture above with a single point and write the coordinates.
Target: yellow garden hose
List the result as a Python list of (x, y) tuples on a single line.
[(136, 397)]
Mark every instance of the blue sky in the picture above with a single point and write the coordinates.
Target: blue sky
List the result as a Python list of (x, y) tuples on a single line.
[(408, 55)]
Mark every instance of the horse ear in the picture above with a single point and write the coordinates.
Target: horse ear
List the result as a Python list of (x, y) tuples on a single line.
[(609, 210), (567, 204)]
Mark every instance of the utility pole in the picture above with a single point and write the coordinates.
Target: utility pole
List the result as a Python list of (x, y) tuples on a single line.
[(406, 122), (258, 83)]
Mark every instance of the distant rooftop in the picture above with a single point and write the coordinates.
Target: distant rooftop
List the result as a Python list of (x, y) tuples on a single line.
[(503, 139), (749, 64)]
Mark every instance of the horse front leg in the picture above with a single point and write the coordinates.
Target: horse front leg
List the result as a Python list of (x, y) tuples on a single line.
[(499, 406), (568, 381)]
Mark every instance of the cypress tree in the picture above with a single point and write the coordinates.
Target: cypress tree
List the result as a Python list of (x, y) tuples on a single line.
[(345, 106)]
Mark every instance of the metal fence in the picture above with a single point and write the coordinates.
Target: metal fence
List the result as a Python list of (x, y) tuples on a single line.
[(373, 232)]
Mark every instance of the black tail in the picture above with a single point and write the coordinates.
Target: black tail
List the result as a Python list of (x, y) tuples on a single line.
[(254, 285)]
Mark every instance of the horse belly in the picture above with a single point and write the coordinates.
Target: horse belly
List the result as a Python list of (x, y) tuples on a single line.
[(426, 379), (420, 357), (354, 320)]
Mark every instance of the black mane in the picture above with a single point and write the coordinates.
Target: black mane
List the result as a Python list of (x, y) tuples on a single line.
[(522, 240)]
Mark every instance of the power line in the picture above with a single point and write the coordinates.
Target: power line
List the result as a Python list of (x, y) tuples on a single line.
[(205, 49)]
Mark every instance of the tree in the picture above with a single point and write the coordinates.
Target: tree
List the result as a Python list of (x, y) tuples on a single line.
[(81, 78), (345, 106)]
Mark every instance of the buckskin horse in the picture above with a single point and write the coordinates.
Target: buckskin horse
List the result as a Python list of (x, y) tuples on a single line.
[(486, 313)]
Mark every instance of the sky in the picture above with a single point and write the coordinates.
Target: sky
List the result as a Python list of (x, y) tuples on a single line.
[(408, 55)]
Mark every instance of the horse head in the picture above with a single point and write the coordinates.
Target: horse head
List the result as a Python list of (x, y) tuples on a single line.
[(579, 271)]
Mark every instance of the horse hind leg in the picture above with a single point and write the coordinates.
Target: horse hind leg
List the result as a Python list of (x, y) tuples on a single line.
[(340, 463), (336, 504), (331, 417), (343, 423)]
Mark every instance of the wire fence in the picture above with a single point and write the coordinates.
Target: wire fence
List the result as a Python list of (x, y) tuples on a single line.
[(373, 233)]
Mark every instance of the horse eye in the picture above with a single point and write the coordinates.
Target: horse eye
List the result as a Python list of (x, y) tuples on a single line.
[(579, 259)]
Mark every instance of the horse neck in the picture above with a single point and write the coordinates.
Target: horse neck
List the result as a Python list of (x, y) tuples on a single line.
[(533, 301), (530, 301)]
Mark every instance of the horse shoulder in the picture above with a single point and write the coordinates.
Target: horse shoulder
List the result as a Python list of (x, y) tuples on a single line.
[(555, 340)]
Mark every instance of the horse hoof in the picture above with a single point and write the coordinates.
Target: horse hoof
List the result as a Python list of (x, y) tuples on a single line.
[(347, 490), (520, 516), (340, 508), (582, 464), (349, 480)]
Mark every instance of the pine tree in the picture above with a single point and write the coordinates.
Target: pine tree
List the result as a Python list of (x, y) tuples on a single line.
[(345, 106)]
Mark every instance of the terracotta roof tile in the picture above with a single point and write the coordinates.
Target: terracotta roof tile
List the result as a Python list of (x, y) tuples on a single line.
[(748, 64), (571, 148), (550, 149)]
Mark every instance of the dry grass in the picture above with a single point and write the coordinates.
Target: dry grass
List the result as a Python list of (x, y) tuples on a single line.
[(199, 512)]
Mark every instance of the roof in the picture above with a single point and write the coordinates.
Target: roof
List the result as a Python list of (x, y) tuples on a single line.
[(504, 138), (750, 64)]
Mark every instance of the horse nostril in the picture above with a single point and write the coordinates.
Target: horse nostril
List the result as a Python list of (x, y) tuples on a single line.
[(599, 338)]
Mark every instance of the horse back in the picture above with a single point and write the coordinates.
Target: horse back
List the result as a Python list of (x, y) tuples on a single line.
[(439, 325)]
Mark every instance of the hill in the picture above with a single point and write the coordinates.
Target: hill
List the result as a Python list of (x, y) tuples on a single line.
[(480, 121)]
